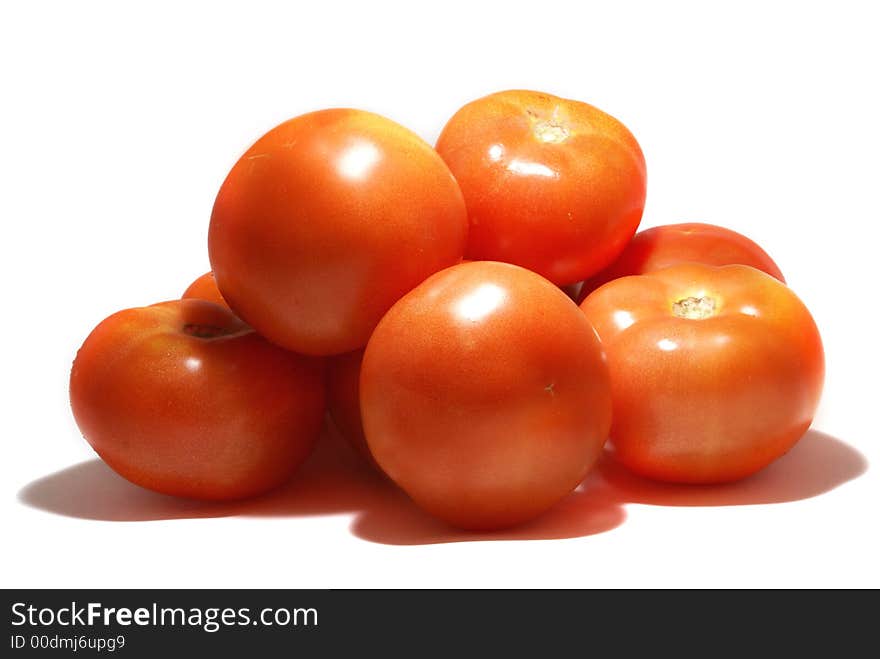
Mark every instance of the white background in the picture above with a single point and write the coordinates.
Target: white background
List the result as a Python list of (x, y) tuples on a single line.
[(119, 124)]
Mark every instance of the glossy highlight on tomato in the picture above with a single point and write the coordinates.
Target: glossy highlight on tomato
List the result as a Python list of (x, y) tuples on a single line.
[(551, 184), (183, 398), (326, 221), (485, 395), (715, 371)]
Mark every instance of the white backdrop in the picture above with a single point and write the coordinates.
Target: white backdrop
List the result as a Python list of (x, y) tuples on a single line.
[(119, 124)]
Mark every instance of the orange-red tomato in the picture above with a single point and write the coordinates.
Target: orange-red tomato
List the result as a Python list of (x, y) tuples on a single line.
[(551, 184), (670, 244), (343, 400), (715, 371), (485, 395), (326, 221), (205, 288), (183, 398)]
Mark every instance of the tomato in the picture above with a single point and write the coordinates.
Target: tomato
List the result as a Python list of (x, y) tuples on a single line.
[(326, 221), (554, 185), (715, 371), (183, 398), (485, 395), (343, 400), (670, 244), (205, 288)]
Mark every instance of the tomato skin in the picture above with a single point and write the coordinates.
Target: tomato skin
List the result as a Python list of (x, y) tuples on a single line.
[(485, 412), (326, 221), (554, 185), (205, 288), (182, 398), (714, 399), (344, 403), (670, 244)]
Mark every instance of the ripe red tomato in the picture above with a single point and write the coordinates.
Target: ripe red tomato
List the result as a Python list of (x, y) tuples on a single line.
[(485, 395), (554, 185), (205, 288), (326, 221), (671, 244), (715, 371), (183, 398), (343, 400)]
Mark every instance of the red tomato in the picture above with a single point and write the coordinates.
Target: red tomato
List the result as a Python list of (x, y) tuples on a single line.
[(183, 398), (205, 288), (343, 400), (554, 185), (485, 395), (326, 221), (715, 371), (671, 244)]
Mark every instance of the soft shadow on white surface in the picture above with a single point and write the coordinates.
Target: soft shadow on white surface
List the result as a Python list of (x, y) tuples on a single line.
[(817, 464), (335, 480), (332, 480)]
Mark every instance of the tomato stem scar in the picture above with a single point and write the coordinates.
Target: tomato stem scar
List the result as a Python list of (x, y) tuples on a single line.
[(550, 132), (694, 308), (204, 331)]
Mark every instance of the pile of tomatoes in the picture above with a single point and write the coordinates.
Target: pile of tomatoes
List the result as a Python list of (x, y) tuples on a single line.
[(478, 319)]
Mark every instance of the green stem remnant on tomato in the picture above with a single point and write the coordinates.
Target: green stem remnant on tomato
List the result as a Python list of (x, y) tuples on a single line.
[(204, 331), (694, 308)]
